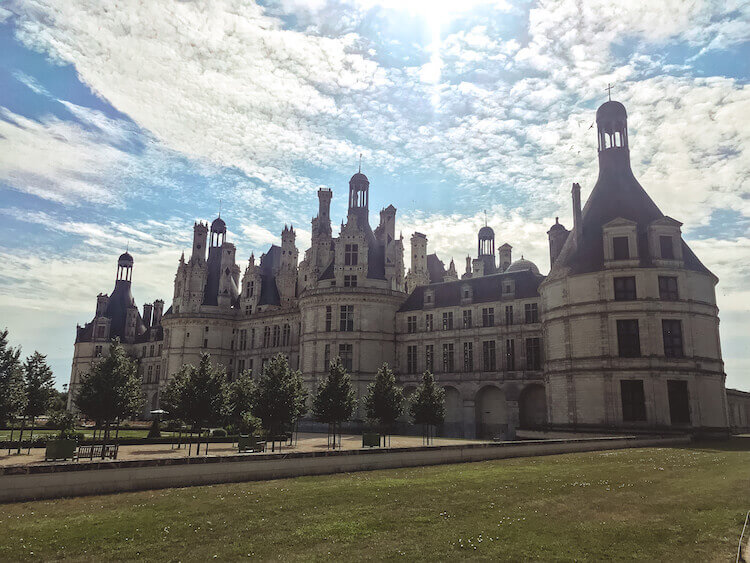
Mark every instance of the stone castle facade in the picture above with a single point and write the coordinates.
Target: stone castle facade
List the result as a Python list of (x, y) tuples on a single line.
[(622, 333)]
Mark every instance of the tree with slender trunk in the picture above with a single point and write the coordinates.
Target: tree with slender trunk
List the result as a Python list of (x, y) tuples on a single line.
[(427, 406), (39, 384), (198, 396), (111, 391), (384, 401), (335, 401), (240, 403), (279, 398), (12, 390)]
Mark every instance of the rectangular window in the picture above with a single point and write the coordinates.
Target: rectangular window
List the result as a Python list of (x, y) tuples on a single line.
[(158, 373), (205, 342), (346, 354), (628, 338), (509, 314), (287, 335), (159, 352), (241, 366), (448, 321), (633, 400), (679, 401), (243, 339), (350, 281), (266, 336), (533, 354), (411, 323), (468, 356), (249, 289), (668, 288), (620, 248), (467, 318), (327, 357), (248, 310), (329, 318), (346, 318), (411, 359), (448, 357), (428, 324), (150, 374), (531, 312), (672, 333), (666, 247), (351, 254), (510, 354), (429, 354), (488, 316), (489, 363), (252, 338), (625, 288), (276, 335), (143, 351)]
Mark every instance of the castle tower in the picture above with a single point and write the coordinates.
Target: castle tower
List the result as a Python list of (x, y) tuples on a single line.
[(557, 236), (504, 255), (286, 279), (227, 285), (485, 252), (200, 238), (418, 273)]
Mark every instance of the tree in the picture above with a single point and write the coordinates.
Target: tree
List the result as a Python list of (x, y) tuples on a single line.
[(198, 396), (111, 391), (384, 401), (39, 384), (241, 392), (280, 397), (335, 400), (428, 405), (12, 390)]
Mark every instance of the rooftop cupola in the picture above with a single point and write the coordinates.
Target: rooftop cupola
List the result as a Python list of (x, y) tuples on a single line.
[(218, 231), (612, 139), (125, 267), (359, 189), (486, 242)]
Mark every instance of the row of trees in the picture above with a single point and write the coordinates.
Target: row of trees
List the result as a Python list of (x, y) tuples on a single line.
[(27, 389)]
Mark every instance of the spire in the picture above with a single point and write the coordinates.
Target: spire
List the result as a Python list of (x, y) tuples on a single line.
[(360, 163)]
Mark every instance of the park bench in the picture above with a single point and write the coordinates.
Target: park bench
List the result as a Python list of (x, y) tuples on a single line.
[(94, 451), (250, 444)]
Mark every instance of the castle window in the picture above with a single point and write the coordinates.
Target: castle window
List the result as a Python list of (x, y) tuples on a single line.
[(668, 288), (531, 312), (429, 354), (151, 351), (98, 351), (625, 288), (159, 352), (633, 400), (243, 339), (448, 320), (326, 357), (679, 401), (667, 247), (411, 323), (240, 366), (628, 338), (276, 335), (510, 354), (346, 318), (468, 356), (205, 342), (143, 351), (252, 338), (286, 335), (249, 289), (509, 314), (411, 359), (620, 248), (448, 357), (533, 354), (248, 310), (149, 374), (467, 318), (100, 331), (351, 254), (350, 281), (489, 361), (428, 324), (329, 318), (346, 354), (266, 336), (488, 316), (158, 373), (672, 334)]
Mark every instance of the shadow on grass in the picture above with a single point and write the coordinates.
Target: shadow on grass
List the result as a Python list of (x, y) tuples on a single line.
[(731, 444)]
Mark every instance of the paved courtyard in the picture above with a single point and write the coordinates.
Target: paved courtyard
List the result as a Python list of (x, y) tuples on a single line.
[(306, 442)]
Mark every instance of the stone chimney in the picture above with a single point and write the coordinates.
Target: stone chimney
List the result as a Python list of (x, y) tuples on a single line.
[(577, 226), (147, 308), (158, 308)]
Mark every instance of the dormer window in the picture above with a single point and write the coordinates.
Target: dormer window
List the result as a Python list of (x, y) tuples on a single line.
[(466, 293), (667, 247), (429, 298), (620, 248), (351, 254)]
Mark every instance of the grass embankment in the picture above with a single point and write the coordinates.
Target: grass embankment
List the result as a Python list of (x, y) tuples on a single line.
[(653, 503)]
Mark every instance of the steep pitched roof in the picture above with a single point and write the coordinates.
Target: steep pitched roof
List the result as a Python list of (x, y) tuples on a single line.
[(484, 289), (435, 268)]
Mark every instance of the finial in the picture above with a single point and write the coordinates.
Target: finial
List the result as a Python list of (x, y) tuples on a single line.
[(557, 220), (360, 163), (127, 246), (609, 91), (219, 208)]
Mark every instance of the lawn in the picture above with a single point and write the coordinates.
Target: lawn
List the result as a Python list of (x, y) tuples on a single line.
[(87, 432), (652, 503)]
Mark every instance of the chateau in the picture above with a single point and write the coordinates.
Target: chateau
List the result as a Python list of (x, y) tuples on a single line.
[(622, 333)]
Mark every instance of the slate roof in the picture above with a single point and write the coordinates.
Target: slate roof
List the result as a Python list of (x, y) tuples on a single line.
[(269, 263), (435, 268), (119, 302), (617, 193), (484, 289)]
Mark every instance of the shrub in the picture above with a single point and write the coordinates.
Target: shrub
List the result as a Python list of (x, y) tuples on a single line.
[(218, 433), (250, 424)]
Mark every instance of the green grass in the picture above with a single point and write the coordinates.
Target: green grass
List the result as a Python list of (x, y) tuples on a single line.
[(654, 503)]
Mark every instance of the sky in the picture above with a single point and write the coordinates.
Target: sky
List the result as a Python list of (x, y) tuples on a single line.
[(122, 123)]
